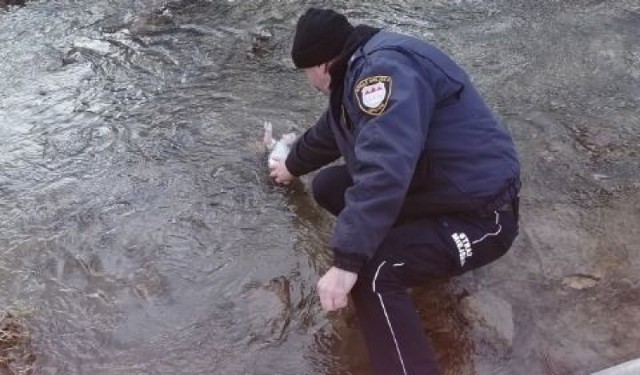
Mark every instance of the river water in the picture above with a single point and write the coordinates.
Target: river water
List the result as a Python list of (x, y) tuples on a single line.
[(140, 234)]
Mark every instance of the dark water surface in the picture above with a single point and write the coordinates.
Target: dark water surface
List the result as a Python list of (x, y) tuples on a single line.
[(140, 234)]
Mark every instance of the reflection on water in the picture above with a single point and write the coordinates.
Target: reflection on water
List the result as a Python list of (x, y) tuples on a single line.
[(138, 223)]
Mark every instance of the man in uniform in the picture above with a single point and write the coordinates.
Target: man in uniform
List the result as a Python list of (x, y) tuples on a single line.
[(430, 181)]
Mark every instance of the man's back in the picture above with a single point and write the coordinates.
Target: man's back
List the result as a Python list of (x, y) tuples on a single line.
[(469, 159)]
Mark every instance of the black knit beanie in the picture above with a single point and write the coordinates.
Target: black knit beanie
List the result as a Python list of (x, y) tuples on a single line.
[(320, 36)]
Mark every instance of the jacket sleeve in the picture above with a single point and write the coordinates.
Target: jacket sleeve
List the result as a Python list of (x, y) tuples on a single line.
[(388, 146), (314, 149)]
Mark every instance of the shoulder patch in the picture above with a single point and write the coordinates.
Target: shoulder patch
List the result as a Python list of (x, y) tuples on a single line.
[(373, 94)]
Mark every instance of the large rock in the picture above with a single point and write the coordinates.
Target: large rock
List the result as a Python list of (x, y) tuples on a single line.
[(491, 321)]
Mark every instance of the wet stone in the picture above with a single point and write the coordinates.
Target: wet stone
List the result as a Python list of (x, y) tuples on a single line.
[(491, 321), (580, 281)]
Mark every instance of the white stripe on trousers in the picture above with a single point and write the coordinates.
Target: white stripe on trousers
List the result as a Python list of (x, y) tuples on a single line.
[(491, 234), (384, 309)]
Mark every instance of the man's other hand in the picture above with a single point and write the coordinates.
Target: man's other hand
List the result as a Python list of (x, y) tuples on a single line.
[(334, 288)]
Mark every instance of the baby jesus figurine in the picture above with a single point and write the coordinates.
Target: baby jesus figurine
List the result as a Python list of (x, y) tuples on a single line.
[(278, 150)]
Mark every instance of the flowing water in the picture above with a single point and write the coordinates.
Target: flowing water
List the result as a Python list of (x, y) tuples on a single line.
[(141, 235)]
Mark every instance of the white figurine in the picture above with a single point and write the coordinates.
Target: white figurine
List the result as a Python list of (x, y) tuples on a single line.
[(278, 150)]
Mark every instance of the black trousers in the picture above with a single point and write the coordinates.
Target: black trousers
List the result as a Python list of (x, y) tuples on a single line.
[(414, 251)]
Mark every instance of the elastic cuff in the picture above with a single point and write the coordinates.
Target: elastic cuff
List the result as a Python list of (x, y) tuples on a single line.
[(348, 261), (293, 166)]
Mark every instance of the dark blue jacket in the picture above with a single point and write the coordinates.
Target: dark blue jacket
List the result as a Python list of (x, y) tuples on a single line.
[(417, 139)]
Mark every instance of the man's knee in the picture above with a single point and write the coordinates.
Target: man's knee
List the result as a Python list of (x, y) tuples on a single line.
[(321, 188), (328, 188)]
